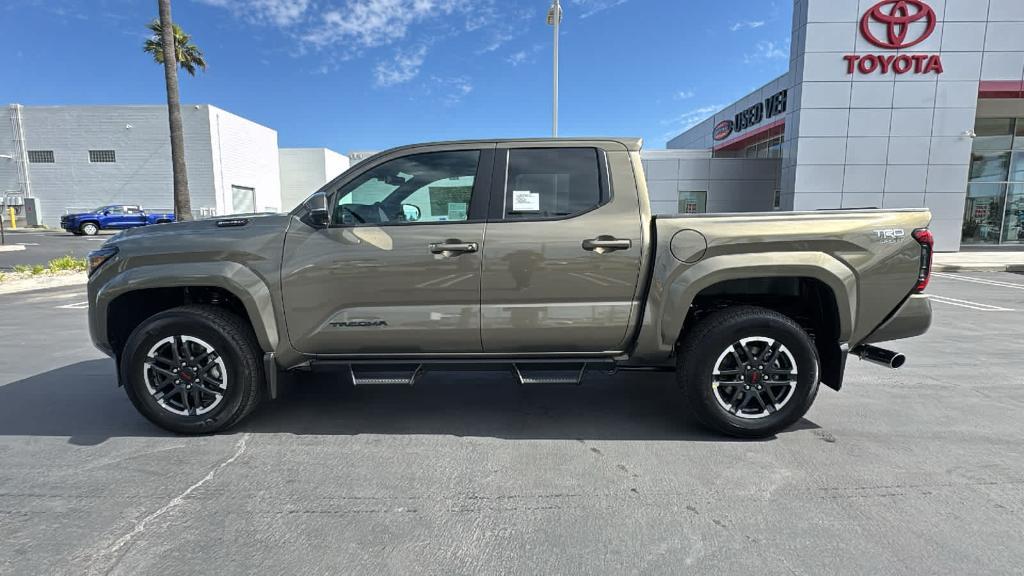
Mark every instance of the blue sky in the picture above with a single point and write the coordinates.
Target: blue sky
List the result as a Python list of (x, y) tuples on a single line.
[(370, 74)]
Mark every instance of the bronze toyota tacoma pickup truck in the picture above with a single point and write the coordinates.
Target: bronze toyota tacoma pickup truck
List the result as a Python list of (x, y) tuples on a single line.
[(540, 257)]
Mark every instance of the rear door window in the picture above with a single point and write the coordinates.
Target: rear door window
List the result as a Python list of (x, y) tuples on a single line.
[(552, 182)]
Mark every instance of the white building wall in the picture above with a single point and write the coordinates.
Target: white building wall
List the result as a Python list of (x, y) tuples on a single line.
[(245, 155), (242, 152), (889, 140), (886, 140), (732, 184), (140, 138), (305, 170)]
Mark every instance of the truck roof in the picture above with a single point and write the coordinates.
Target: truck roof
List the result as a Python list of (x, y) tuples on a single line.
[(632, 144)]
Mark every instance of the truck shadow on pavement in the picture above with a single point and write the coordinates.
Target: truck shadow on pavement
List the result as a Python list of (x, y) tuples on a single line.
[(83, 402)]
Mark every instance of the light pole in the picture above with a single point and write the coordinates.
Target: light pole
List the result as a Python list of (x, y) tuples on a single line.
[(554, 19), (3, 235)]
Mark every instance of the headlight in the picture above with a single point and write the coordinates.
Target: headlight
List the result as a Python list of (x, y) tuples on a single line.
[(98, 257)]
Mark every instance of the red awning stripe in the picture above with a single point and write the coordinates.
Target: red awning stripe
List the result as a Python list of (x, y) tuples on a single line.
[(1001, 89)]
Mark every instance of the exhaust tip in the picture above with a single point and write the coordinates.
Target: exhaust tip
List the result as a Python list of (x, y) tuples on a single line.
[(880, 356)]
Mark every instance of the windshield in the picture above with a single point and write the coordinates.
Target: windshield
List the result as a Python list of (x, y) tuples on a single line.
[(102, 209)]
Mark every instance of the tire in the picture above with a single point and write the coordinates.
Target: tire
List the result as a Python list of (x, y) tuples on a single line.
[(89, 229), (195, 330), (748, 403)]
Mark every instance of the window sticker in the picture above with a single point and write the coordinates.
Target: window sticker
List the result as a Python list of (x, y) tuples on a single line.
[(457, 210), (525, 201)]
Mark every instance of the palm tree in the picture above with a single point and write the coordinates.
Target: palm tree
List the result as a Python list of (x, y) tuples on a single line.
[(170, 45)]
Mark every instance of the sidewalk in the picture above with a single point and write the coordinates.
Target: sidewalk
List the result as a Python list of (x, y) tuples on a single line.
[(979, 262)]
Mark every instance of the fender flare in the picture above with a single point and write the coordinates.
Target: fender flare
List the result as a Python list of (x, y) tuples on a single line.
[(685, 286), (232, 277)]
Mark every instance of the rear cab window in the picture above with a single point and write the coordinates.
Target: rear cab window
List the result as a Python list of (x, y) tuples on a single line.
[(552, 183)]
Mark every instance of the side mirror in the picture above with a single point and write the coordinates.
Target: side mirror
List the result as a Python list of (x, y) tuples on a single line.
[(106, 212), (317, 214), (412, 213)]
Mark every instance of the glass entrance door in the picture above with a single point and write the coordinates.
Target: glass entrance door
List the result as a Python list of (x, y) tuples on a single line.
[(994, 213)]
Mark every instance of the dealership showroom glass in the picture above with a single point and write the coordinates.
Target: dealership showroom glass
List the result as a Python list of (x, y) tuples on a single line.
[(891, 104)]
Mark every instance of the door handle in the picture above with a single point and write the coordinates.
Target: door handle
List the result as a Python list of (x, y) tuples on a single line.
[(453, 247), (603, 244)]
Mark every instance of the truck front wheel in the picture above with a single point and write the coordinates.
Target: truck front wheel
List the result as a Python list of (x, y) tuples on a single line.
[(89, 229), (193, 369), (748, 372)]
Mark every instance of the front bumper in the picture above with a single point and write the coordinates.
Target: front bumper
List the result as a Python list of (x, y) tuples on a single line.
[(913, 318)]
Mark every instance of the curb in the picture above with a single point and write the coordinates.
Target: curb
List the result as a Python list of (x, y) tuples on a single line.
[(981, 267), (42, 283)]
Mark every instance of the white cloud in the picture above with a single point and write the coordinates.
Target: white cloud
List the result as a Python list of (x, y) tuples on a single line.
[(748, 24), (454, 90), (370, 23), (517, 58), (590, 7), (766, 51), (402, 68), (276, 12), (684, 94), (690, 118)]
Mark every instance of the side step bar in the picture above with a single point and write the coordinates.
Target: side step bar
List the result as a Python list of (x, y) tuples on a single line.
[(528, 372), (570, 373), (385, 376)]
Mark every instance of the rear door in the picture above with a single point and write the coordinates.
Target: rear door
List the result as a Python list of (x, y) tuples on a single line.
[(114, 217), (398, 269), (563, 253), (133, 216)]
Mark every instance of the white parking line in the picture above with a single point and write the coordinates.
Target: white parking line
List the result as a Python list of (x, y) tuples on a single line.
[(968, 304), (998, 283), (75, 306)]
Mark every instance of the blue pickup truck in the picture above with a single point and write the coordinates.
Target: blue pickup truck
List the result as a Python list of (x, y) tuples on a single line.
[(113, 217)]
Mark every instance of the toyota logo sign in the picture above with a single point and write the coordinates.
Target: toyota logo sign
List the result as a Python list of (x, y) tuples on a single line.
[(723, 130), (896, 25), (898, 17)]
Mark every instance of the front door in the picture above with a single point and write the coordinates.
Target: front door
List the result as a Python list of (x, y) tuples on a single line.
[(563, 253), (398, 269)]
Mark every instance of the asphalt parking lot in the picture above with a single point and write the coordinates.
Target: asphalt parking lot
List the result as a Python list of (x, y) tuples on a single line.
[(915, 471), (45, 245)]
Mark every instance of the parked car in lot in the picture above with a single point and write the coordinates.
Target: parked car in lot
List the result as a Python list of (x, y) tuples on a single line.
[(539, 257), (112, 217)]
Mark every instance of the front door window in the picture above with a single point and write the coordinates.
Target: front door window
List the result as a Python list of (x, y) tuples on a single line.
[(432, 187)]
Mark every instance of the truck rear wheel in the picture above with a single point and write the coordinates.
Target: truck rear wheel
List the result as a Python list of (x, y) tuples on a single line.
[(748, 372), (193, 369)]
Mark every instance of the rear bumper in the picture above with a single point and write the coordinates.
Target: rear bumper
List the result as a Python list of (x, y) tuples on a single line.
[(911, 319)]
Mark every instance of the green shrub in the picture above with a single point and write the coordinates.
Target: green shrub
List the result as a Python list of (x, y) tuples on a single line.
[(22, 268), (38, 269), (68, 263)]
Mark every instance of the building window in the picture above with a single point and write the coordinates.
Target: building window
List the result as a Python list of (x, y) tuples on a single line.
[(102, 156), (693, 202), (40, 156), (994, 211), (771, 148), (243, 200)]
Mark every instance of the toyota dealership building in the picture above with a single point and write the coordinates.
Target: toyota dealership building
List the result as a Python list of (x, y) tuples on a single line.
[(891, 104)]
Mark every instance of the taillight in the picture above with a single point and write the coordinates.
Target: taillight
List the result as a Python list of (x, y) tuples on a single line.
[(927, 241)]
